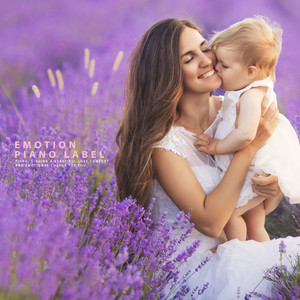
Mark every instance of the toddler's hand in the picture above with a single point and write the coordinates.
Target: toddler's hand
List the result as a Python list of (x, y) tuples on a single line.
[(206, 143)]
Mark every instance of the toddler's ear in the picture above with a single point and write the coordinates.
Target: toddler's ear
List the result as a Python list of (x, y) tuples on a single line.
[(252, 72)]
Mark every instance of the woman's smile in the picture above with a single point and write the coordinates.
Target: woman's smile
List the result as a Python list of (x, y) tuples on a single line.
[(207, 74)]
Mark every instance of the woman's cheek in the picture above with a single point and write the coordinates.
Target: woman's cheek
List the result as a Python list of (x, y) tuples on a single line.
[(188, 72)]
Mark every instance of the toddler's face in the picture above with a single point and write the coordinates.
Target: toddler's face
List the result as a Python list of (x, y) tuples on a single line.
[(234, 75)]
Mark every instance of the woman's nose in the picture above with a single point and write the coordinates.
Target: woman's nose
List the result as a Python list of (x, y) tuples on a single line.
[(205, 61), (217, 67)]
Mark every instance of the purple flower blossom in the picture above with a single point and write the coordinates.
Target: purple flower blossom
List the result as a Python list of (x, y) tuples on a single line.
[(284, 279), (282, 247), (296, 291), (98, 229), (203, 263), (204, 288)]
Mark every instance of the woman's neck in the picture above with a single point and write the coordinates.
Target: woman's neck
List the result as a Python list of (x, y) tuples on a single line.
[(197, 112)]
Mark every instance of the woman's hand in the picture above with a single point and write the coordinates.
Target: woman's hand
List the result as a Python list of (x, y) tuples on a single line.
[(267, 124), (265, 185)]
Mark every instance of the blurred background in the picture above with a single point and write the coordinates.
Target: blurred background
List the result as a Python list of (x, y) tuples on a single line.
[(36, 35)]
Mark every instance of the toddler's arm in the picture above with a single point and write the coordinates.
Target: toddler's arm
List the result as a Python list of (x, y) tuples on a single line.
[(250, 111)]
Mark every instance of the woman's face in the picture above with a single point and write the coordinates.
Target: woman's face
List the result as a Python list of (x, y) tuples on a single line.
[(198, 63)]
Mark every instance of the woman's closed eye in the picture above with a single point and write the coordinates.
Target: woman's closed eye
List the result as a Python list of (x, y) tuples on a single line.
[(207, 49), (189, 60)]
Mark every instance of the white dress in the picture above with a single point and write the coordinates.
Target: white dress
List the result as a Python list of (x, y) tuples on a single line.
[(280, 156), (237, 267)]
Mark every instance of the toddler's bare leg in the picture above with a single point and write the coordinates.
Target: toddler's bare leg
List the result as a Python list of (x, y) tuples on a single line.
[(236, 228), (251, 204), (271, 204), (255, 220)]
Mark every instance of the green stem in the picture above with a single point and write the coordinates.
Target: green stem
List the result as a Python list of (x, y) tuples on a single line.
[(13, 104)]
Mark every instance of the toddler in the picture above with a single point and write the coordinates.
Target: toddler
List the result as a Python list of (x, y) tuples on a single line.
[(247, 53)]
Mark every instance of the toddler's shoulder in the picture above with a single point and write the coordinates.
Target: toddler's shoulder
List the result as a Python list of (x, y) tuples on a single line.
[(256, 93)]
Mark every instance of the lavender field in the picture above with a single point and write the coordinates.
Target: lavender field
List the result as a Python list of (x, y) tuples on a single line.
[(62, 71)]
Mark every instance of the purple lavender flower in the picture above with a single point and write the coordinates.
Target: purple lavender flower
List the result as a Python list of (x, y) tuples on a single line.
[(282, 247), (284, 279), (296, 291), (204, 288)]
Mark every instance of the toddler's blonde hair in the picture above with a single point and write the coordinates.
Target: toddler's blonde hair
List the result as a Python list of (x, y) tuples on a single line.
[(256, 39)]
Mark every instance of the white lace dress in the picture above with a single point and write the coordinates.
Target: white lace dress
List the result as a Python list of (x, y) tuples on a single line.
[(237, 267), (280, 156)]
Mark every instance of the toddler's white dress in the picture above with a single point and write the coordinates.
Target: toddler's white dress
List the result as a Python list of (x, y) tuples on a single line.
[(237, 267), (280, 156)]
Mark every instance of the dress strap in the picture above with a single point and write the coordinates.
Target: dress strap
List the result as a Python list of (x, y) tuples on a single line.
[(173, 142)]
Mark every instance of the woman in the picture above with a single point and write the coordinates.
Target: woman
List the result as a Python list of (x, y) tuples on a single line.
[(169, 101)]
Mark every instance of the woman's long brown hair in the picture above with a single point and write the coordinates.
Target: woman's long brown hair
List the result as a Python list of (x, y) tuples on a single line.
[(154, 88)]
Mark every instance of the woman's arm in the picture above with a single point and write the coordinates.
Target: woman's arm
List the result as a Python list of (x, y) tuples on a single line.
[(210, 212), (244, 133)]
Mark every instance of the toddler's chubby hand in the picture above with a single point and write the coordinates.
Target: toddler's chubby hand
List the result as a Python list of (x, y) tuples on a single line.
[(205, 143)]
